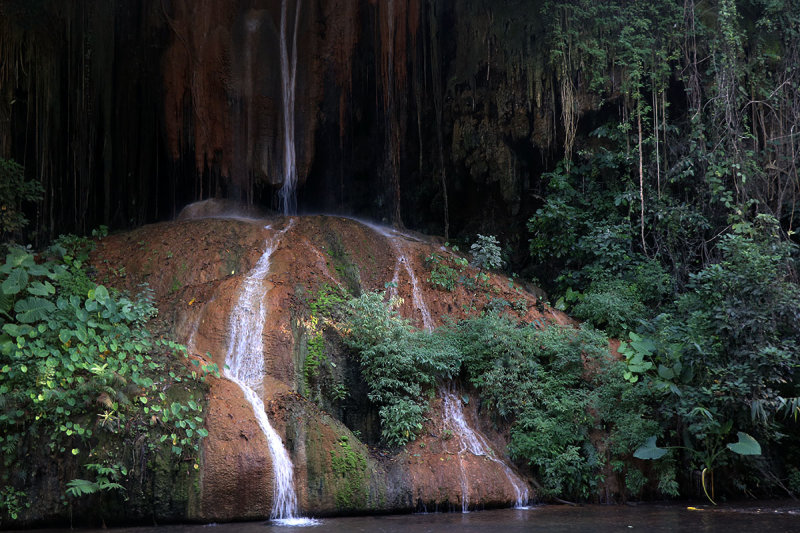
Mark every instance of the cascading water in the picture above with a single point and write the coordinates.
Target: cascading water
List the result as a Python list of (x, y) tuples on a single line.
[(245, 367), (396, 238), (288, 193), (471, 441), (474, 443)]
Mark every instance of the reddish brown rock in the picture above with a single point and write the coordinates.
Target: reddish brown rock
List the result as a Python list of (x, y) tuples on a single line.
[(196, 268), (237, 479)]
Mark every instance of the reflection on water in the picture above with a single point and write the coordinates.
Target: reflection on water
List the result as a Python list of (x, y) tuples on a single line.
[(601, 519)]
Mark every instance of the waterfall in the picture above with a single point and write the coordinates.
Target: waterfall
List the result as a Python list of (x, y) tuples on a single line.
[(471, 441), (474, 443), (245, 367), (288, 193), (395, 238)]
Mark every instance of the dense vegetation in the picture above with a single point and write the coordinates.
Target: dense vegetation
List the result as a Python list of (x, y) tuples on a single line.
[(671, 225), (711, 376), (85, 388)]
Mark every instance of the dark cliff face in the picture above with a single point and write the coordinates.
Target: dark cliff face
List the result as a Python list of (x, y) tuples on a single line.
[(436, 115)]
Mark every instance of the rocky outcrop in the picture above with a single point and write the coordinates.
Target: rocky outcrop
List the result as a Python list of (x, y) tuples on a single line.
[(196, 267)]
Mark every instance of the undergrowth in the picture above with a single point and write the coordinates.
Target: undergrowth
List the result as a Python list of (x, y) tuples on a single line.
[(82, 381)]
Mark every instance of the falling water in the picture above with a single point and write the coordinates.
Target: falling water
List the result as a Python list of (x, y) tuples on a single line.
[(474, 443), (245, 367), (471, 442), (288, 192), (396, 238)]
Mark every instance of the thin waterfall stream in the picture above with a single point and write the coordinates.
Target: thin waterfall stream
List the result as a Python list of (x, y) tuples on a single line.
[(417, 299), (471, 441), (474, 443), (245, 367), (288, 193)]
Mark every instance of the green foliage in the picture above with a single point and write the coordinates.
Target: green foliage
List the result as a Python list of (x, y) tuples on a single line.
[(794, 481), (398, 363), (723, 357), (315, 357), (345, 268), (613, 305), (664, 226), (537, 378), (746, 445), (12, 503), (328, 302), (78, 369), (15, 190), (320, 379), (106, 479), (445, 272), (486, 253), (584, 232)]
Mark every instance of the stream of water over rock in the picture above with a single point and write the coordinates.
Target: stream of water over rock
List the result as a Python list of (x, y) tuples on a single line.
[(396, 239), (245, 367), (471, 441), (474, 443)]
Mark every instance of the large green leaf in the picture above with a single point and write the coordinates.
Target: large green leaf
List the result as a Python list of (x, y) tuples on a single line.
[(643, 345), (101, 294), (19, 257), (649, 450), (16, 330), (38, 288), (747, 445), (15, 282), (33, 309)]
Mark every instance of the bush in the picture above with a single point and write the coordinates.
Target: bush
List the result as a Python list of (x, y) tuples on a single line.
[(614, 306), (14, 191), (398, 363), (556, 386), (78, 369), (486, 253), (724, 357), (444, 272)]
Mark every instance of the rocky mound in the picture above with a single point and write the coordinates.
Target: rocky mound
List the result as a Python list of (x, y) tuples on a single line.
[(196, 268)]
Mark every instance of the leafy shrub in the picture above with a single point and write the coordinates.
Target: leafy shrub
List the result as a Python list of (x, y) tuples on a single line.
[(556, 385), (80, 368), (444, 273), (486, 253), (14, 191), (614, 305), (724, 358), (399, 364), (12, 502), (106, 478)]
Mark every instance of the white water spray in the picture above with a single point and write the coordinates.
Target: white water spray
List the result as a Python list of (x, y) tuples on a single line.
[(245, 367), (396, 238), (474, 443), (288, 193)]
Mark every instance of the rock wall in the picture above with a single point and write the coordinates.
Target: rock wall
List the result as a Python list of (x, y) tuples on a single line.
[(401, 107)]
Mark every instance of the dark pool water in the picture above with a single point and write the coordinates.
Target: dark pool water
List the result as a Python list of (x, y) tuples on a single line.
[(783, 518)]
